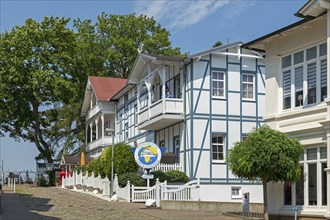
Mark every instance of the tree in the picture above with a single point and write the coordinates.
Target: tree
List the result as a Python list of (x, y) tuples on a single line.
[(217, 44), (36, 71), (107, 48), (110, 46), (268, 155)]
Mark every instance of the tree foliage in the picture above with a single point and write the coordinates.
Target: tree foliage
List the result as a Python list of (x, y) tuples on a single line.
[(124, 161), (217, 44), (266, 154), (111, 44), (107, 47), (36, 71)]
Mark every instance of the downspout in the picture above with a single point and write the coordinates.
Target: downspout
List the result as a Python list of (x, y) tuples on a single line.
[(184, 115)]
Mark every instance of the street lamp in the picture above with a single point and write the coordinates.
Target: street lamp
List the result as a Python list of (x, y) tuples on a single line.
[(112, 132), (2, 173)]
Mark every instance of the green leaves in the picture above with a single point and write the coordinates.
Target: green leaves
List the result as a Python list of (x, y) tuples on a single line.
[(35, 72), (266, 154)]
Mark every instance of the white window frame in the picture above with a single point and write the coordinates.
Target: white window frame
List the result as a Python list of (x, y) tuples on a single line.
[(304, 64), (249, 83), (305, 162), (223, 144), (219, 80), (234, 194)]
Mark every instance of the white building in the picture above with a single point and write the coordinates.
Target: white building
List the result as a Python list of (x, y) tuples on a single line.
[(197, 107), (297, 102), (99, 112)]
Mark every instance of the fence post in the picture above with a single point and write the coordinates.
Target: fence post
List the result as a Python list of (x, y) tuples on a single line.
[(198, 189), (115, 184), (157, 193), (129, 191)]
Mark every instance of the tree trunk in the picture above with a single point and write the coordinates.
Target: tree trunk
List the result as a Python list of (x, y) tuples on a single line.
[(264, 186)]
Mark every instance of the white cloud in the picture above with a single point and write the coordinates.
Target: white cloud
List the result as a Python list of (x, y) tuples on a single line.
[(179, 14)]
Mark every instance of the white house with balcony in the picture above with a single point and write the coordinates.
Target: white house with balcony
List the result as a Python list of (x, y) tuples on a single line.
[(197, 108), (297, 102), (99, 112)]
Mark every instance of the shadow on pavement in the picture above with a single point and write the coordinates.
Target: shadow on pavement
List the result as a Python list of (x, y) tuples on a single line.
[(14, 206)]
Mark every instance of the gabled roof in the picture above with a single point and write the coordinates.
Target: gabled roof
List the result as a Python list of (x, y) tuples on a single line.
[(311, 11), (313, 8), (142, 59), (105, 87), (74, 160), (215, 49)]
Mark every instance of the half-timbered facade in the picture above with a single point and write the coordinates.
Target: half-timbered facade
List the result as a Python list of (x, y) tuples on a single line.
[(197, 108)]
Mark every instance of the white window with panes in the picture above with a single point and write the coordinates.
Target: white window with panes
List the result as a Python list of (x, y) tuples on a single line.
[(311, 188), (218, 146), (304, 77), (248, 86), (218, 84)]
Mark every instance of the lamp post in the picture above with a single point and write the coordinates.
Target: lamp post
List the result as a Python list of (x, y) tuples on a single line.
[(2, 173), (112, 131)]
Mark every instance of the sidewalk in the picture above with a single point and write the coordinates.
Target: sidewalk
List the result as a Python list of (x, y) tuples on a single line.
[(52, 203), (13, 208)]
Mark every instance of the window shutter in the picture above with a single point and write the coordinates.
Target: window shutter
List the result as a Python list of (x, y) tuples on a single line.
[(287, 83), (324, 73), (311, 75)]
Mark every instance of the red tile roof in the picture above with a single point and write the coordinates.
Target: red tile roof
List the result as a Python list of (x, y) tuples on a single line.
[(106, 87)]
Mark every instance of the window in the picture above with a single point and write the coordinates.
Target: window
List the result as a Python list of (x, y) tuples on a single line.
[(287, 90), (177, 88), (162, 143), (248, 85), (236, 192), (298, 80), (218, 82), (217, 147), (323, 79), (304, 77), (136, 115), (177, 148), (311, 80), (312, 182)]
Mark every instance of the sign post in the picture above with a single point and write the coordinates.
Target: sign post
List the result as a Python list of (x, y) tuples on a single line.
[(246, 204), (147, 155)]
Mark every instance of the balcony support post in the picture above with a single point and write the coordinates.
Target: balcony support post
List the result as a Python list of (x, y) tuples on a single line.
[(163, 79), (102, 121), (91, 130), (97, 129)]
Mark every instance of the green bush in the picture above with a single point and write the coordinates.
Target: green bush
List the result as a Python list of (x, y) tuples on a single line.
[(96, 167), (42, 181), (124, 161), (176, 176), (158, 174), (134, 178), (173, 176)]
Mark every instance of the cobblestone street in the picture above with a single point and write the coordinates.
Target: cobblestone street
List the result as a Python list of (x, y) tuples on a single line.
[(56, 203)]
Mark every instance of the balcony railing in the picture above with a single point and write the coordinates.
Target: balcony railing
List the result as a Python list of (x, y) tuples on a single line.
[(107, 140), (171, 108), (99, 107)]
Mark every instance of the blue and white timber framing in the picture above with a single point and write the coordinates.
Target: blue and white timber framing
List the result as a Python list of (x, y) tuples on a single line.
[(211, 100)]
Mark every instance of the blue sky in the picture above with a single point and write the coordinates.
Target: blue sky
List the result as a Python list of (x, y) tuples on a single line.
[(195, 25)]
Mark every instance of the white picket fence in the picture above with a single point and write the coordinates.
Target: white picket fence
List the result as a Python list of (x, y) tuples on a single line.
[(167, 167), (102, 184), (162, 191), (131, 193)]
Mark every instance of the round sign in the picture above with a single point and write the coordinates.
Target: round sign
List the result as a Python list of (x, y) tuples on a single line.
[(147, 155)]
